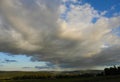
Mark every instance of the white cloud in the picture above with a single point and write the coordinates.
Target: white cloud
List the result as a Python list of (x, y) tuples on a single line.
[(39, 31)]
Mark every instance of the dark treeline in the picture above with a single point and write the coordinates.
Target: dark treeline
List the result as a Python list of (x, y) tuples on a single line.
[(112, 71)]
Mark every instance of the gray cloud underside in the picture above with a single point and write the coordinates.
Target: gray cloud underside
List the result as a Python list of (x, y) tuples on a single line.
[(35, 29), (9, 61)]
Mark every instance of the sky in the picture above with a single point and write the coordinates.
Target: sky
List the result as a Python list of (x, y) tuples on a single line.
[(44, 35)]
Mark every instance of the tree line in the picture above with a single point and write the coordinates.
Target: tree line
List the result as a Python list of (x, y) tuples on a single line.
[(112, 71)]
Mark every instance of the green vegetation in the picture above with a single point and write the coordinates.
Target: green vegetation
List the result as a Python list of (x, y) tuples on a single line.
[(54, 77), (111, 74), (82, 79)]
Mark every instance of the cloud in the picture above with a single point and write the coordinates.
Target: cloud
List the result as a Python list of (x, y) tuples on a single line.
[(9, 61), (36, 29), (27, 67), (1, 65), (108, 56), (47, 66), (41, 67)]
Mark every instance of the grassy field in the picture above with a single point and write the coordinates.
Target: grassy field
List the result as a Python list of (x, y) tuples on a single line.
[(6, 77), (89, 79)]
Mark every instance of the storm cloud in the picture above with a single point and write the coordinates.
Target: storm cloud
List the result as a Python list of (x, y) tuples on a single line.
[(37, 29)]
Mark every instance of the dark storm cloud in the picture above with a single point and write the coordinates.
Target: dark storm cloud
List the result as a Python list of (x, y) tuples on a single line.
[(47, 66), (109, 56)]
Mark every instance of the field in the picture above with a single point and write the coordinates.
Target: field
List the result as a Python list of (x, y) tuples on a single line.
[(7, 77), (93, 79)]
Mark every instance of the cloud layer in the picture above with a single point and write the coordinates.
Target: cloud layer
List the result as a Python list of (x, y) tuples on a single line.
[(35, 28)]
